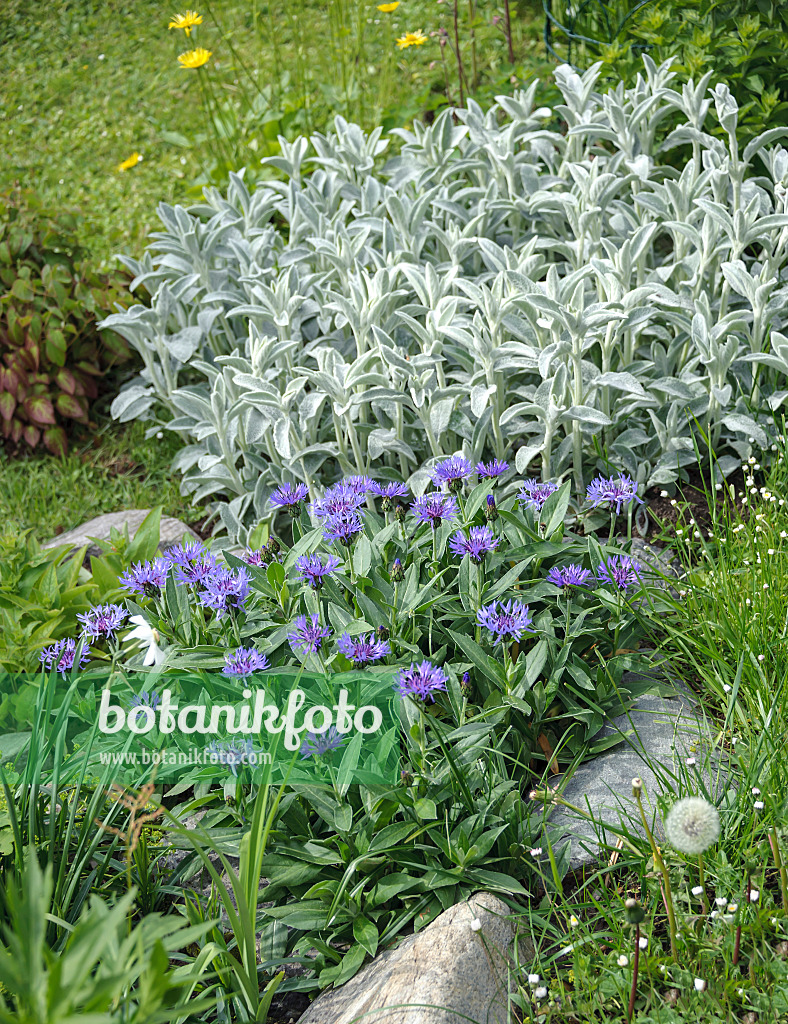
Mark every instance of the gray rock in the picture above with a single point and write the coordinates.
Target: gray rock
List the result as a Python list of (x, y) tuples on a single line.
[(665, 731), (173, 531), (445, 974)]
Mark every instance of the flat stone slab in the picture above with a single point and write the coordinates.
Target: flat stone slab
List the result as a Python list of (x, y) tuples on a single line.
[(665, 732), (173, 531), (448, 973)]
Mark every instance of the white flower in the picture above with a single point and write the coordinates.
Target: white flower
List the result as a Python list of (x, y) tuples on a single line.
[(540, 993), (573, 921), (754, 894), (663, 968), (476, 925), (148, 637), (692, 825), (755, 791), (533, 979), (758, 805), (642, 942), (700, 985), (622, 960), (663, 494), (721, 901), (535, 851), (691, 761), (698, 889), (544, 321), (726, 688)]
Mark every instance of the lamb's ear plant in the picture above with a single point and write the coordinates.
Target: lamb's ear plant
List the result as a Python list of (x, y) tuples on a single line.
[(562, 300)]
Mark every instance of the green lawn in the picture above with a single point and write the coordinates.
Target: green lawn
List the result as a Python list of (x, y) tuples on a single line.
[(115, 469), (86, 83)]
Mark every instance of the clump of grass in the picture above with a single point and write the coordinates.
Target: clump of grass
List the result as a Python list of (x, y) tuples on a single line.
[(660, 930)]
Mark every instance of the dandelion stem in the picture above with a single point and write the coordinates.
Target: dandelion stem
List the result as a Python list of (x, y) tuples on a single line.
[(460, 72), (737, 943), (774, 842), (635, 963), (507, 21), (702, 883), (660, 864)]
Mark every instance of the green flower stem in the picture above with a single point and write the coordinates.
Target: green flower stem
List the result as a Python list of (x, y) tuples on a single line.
[(635, 965), (774, 842), (702, 883), (660, 864), (612, 527)]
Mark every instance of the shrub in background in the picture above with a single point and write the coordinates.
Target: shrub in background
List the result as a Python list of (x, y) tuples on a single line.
[(52, 353), (499, 288), (741, 42)]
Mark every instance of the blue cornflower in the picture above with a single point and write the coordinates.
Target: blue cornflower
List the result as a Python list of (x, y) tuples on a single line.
[(313, 570), (342, 528), (184, 554), (62, 654), (569, 576), (489, 470), (244, 661), (102, 621), (146, 699), (255, 558), (308, 635), (619, 570), (226, 588), (434, 508), (197, 573), (339, 500), (508, 622), (318, 744), (481, 542), (146, 578), (534, 493), (452, 472), (421, 681), (363, 649), (289, 497), (359, 484), (612, 492), (389, 491), (234, 754)]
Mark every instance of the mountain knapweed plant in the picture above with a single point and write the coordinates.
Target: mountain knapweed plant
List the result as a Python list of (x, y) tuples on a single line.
[(499, 673), (437, 586)]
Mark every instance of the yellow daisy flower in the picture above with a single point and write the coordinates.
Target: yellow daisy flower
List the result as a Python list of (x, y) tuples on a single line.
[(132, 161), (195, 58), (388, 8), (186, 21), (411, 39)]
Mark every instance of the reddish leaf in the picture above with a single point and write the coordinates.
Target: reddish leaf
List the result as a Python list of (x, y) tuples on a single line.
[(69, 406), (39, 410), (7, 405), (55, 440), (16, 430), (32, 435), (66, 381)]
